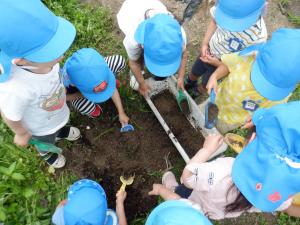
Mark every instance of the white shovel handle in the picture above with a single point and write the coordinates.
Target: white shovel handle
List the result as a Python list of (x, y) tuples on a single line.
[(168, 131)]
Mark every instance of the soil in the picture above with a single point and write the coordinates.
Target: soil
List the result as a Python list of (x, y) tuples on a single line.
[(190, 139), (104, 154)]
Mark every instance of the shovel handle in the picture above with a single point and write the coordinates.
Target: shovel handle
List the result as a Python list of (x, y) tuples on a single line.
[(123, 187), (212, 96)]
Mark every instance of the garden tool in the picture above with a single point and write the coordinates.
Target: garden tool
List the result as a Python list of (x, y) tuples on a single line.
[(211, 111), (127, 128), (183, 102), (126, 182), (236, 142), (296, 199), (45, 147)]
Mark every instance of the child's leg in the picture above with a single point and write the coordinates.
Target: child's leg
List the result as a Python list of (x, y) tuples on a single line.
[(116, 63), (86, 107)]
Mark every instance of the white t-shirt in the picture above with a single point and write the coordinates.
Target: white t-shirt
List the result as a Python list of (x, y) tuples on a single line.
[(38, 100), (131, 14), (210, 182), (225, 41)]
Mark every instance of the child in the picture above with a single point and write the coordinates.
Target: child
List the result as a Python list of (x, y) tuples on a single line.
[(87, 205), (175, 212), (152, 35), (256, 82), (87, 73), (32, 96), (234, 26), (264, 177)]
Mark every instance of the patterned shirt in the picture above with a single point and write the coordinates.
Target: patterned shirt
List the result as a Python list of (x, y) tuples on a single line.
[(225, 41), (237, 89)]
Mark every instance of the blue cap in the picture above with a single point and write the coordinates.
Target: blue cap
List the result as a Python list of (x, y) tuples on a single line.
[(276, 71), (28, 29), (176, 212), (235, 15), (88, 71), (87, 205), (267, 171), (162, 39)]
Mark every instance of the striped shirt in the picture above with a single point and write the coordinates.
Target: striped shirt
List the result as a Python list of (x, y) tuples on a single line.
[(225, 41)]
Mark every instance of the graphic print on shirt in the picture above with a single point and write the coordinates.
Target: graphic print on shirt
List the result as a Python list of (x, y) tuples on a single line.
[(55, 100), (210, 179)]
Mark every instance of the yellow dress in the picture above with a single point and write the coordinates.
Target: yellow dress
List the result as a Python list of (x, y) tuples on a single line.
[(237, 89)]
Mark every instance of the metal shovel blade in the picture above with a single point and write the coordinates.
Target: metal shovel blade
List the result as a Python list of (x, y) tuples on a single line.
[(183, 102), (211, 112), (126, 182), (45, 147)]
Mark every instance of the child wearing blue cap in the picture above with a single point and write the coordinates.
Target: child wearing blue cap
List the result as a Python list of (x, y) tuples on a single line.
[(234, 26), (263, 178), (90, 79), (87, 205), (177, 212), (153, 35), (32, 96), (252, 81)]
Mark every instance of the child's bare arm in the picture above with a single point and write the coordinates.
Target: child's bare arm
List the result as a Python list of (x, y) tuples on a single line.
[(136, 69), (121, 196), (118, 103), (165, 193), (181, 71), (211, 144), (22, 136), (211, 28), (221, 71), (293, 210)]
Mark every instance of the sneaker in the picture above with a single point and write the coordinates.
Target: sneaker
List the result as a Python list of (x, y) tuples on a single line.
[(118, 84), (68, 133), (97, 112), (54, 159), (169, 181)]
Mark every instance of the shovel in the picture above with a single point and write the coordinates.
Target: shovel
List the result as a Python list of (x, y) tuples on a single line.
[(211, 111), (126, 182), (127, 128), (183, 102), (45, 147)]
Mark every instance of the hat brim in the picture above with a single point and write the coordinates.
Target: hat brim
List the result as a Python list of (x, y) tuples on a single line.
[(104, 95), (5, 66), (166, 70), (57, 46), (234, 24), (265, 88), (111, 218), (250, 169)]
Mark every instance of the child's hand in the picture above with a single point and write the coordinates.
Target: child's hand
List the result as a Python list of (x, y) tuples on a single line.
[(212, 60), (144, 88), (204, 51), (121, 196), (212, 84), (123, 118), (180, 83), (213, 142), (248, 124), (22, 140), (155, 189)]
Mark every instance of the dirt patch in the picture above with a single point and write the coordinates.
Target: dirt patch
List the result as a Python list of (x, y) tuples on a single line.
[(188, 137), (104, 154)]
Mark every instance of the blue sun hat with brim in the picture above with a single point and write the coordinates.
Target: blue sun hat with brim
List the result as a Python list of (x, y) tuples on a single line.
[(276, 71), (87, 70), (29, 30), (267, 171), (162, 39), (235, 15), (87, 205), (176, 212)]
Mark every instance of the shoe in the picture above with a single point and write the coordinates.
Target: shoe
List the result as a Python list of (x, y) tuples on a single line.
[(192, 88), (96, 113), (68, 133), (118, 84), (55, 160), (169, 181)]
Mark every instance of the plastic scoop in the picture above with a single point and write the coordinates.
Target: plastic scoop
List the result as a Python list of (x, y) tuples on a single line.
[(127, 128), (211, 111), (236, 142), (45, 147), (126, 182), (183, 102)]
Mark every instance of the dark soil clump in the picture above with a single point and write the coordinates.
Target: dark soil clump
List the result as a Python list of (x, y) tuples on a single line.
[(190, 139), (104, 154)]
